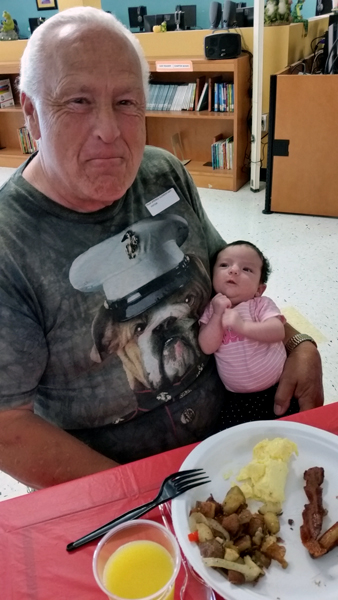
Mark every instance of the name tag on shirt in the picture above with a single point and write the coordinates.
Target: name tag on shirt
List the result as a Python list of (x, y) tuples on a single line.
[(162, 202)]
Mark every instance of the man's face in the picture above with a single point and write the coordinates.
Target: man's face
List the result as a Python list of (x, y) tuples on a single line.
[(237, 274), (90, 119)]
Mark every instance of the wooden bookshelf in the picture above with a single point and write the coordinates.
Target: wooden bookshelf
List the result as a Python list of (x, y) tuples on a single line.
[(11, 119), (197, 130)]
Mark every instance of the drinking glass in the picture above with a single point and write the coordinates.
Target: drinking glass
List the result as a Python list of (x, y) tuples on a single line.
[(131, 550)]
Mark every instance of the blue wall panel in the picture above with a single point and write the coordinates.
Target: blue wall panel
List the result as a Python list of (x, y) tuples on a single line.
[(21, 10)]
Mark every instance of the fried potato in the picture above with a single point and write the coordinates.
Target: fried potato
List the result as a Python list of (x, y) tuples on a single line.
[(275, 551), (271, 522), (233, 500), (274, 507)]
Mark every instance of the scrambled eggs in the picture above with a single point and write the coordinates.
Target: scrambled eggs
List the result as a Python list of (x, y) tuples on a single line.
[(265, 476)]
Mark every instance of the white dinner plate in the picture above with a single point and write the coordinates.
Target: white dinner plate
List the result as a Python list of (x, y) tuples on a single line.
[(227, 452)]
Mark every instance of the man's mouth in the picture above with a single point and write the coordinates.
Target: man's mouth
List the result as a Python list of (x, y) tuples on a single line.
[(231, 281)]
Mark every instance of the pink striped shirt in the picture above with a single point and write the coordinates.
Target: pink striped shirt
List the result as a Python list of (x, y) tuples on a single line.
[(245, 365)]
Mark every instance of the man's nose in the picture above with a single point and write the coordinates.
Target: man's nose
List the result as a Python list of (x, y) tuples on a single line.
[(106, 124)]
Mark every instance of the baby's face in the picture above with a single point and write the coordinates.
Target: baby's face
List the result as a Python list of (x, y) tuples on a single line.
[(237, 274)]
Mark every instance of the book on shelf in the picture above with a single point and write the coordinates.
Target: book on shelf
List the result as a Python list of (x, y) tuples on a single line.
[(186, 97), (165, 97), (170, 97), (192, 97), (151, 93), (161, 97), (216, 96), (203, 101), (211, 91), (200, 81), (179, 97), (222, 152), (27, 144), (6, 94), (157, 91)]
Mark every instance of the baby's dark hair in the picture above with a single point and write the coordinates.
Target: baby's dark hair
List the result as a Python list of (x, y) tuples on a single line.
[(266, 267)]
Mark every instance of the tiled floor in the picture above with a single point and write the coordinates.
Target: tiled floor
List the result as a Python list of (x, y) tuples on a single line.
[(304, 281)]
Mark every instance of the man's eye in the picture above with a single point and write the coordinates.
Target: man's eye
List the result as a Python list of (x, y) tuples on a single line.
[(247, 269), (224, 264), (79, 101)]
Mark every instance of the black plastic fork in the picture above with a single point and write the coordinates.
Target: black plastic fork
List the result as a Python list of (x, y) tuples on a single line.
[(172, 486)]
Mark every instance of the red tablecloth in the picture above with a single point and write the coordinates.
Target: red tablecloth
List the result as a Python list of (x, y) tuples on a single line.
[(35, 528)]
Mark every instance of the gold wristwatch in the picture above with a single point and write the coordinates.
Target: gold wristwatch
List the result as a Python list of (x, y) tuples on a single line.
[(297, 339)]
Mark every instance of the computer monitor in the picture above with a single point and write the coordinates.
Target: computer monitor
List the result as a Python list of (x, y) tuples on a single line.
[(151, 20), (136, 17), (35, 22), (190, 11), (245, 16), (323, 7), (169, 18)]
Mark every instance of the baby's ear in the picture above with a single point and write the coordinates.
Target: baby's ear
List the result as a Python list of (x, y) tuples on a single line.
[(261, 289)]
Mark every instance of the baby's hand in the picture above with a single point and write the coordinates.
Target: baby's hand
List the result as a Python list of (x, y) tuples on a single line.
[(232, 320), (220, 303)]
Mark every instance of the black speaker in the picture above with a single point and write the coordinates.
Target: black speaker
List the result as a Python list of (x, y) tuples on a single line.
[(215, 14), (229, 14), (222, 45)]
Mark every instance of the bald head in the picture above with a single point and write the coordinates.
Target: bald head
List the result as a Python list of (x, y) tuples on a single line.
[(43, 48)]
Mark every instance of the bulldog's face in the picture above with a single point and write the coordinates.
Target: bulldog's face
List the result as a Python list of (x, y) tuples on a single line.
[(160, 346)]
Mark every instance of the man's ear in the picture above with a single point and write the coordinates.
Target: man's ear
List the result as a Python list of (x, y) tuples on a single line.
[(31, 116), (261, 290)]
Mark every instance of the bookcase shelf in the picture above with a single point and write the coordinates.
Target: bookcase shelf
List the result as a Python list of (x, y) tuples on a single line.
[(184, 114), (196, 130), (12, 157)]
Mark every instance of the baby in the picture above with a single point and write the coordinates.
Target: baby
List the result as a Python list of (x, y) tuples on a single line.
[(245, 331)]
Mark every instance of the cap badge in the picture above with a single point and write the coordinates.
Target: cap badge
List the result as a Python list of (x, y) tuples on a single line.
[(132, 243)]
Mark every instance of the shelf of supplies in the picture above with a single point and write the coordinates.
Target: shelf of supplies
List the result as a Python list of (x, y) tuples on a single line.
[(186, 114)]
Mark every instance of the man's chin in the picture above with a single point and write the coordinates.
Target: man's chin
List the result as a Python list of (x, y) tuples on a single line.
[(107, 189)]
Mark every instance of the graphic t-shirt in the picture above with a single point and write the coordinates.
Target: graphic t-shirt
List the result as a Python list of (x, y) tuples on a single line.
[(99, 311), (246, 365)]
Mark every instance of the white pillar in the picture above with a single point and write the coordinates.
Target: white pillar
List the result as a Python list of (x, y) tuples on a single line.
[(257, 86)]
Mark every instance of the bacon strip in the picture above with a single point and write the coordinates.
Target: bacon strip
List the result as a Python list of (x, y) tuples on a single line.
[(313, 515)]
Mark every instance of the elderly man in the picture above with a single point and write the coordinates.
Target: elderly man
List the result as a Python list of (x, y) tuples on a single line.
[(105, 272)]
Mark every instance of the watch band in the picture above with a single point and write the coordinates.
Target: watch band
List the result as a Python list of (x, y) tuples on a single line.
[(297, 339)]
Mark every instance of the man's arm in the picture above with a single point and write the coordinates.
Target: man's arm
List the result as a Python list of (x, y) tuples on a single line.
[(301, 377), (40, 455)]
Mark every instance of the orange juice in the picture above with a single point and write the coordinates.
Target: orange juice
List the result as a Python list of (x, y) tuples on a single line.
[(138, 569)]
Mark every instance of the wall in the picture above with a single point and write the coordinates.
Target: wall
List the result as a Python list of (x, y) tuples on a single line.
[(21, 10)]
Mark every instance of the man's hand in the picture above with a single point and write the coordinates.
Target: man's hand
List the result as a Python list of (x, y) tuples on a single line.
[(220, 303), (301, 379)]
